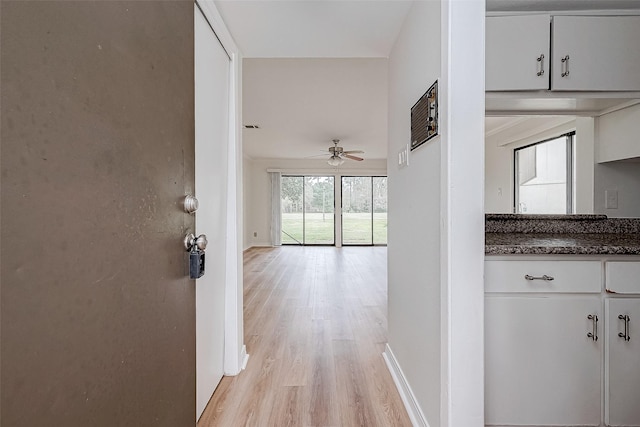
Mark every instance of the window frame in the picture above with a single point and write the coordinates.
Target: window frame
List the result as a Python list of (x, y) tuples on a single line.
[(570, 171)]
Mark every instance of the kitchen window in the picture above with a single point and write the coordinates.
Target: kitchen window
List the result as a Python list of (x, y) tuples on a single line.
[(544, 176)]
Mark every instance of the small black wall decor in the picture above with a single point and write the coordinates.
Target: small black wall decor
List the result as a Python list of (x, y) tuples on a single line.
[(424, 117)]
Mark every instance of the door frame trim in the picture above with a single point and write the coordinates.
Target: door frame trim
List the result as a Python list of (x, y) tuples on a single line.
[(235, 356)]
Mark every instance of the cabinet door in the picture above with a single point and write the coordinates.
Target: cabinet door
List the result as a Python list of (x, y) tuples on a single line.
[(622, 375), (517, 52), (603, 53), (541, 369)]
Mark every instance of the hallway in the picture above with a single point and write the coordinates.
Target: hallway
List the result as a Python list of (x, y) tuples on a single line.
[(315, 329)]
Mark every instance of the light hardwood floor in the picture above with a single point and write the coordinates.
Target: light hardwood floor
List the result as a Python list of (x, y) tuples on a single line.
[(315, 328)]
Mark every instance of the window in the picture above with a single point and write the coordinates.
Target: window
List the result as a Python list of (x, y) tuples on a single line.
[(307, 204), (364, 210), (544, 176)]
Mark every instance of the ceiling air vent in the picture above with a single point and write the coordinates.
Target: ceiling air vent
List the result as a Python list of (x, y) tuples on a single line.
[(251, 127)]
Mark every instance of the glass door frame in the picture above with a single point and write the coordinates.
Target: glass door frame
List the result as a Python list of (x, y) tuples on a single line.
[(371, 177), (304, 210)]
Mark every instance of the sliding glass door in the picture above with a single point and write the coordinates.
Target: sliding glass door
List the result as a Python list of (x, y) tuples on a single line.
[(379, 186), (307, 204), (364, 210)]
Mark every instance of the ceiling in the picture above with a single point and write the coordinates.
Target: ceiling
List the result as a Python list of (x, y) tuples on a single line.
[(300, 105), (314, 29)]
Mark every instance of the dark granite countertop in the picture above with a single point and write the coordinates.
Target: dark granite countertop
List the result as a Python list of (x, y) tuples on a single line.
[(565, 243), (509, 234)]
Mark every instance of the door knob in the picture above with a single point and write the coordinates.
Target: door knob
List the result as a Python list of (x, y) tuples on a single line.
[(201, 242), (190, 240)]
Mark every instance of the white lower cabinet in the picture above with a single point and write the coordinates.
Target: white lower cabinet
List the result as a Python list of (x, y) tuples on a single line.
[(541, 367), (622, 362), (561, 349)]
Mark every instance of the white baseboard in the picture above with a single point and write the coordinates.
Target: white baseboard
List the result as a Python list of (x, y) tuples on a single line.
[(406, 394), (244, 356)]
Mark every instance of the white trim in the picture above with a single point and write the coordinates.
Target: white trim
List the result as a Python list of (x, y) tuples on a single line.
[(590, 12), (505, 126), (406, 394), (331, 172), (619, 107), (462, 111), (215, 19), (538, 134), (233, 333), (245, 357)]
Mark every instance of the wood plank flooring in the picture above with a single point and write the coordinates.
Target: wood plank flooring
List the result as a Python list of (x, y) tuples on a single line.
[(315, 328)]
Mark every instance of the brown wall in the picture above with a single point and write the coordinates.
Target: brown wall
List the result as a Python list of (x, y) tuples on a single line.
[(97, 315)]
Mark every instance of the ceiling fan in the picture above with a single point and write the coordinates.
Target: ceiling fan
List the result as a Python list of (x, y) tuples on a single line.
[(338, 154)]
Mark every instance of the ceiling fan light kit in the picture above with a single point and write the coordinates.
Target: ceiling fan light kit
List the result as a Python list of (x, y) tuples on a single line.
[(338, 154), (335, 161)]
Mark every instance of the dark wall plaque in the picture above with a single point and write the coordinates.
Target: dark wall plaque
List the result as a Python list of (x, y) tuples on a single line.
[(424, 117)]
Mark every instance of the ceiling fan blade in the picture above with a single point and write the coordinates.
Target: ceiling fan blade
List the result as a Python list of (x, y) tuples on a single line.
[(353, 152), (348, 156)]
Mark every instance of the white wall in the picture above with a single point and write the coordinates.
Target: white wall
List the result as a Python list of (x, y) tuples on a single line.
[(498, 177), (258, 188), (616, 137), (584, 161), (414, 214), (436, 222), (623, 177)]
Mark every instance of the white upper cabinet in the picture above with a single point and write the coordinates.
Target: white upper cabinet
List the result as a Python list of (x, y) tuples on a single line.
[(596, 53), (563, 53), (517, 52)]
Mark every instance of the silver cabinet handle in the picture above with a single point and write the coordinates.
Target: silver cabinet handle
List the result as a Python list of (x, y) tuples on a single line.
[(541, 65), (625, 335), (544, 277), (565, 66), (594, 325)]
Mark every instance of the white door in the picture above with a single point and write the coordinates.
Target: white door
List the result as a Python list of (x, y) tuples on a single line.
[(541, 368), (212, 77), (622, 377), (517, 52), (602, 53)]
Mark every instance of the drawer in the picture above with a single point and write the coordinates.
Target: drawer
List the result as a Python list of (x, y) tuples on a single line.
[(568, 276), (622, 277)]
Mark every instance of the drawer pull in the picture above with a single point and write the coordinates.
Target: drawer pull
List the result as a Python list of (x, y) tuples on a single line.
[(594, 325), (545, 277), (625, 335)]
